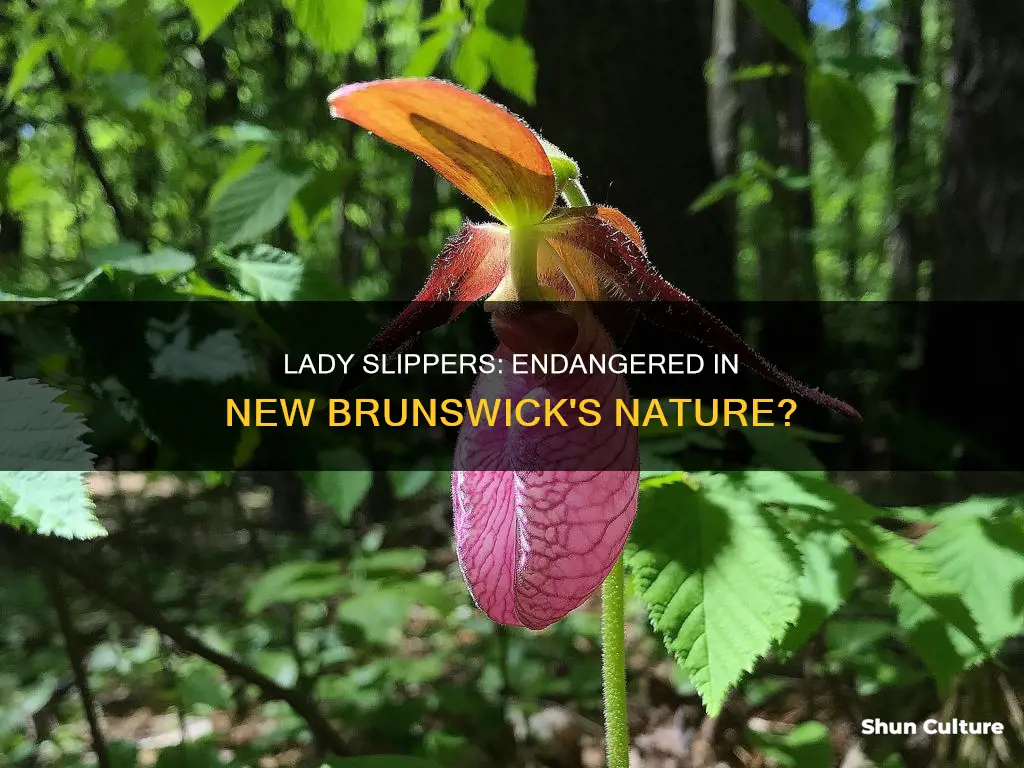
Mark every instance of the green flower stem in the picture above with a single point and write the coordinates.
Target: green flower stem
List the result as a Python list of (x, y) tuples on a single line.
[(613, 666), (574, 194), (523, 263)]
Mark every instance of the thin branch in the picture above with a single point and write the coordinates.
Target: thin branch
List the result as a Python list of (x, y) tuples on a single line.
[(76, 656), (83, 142), (324, 733)]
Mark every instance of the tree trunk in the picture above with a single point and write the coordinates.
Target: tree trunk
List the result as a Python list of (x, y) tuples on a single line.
[(622, 90), (782, 230), (904, 256), (981, 202), (979, 254)]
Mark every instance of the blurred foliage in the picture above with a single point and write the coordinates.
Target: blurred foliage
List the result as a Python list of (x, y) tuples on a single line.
[(154, 149)]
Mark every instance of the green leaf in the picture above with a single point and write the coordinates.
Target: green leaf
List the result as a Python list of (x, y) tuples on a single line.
[(428, 55), (26, 187), (44, 460), (26, 64), (843, 114), (210, 14), (513, 65), (984, 559), (470, 66), (253, 204), (342, 490), (718, 576), (406, 483), (807, 745), (716, 192), (333, 26), (780, 22), (266, 273), (295, 582), (244, 162), (827, 579), (916, 570), (128, 257)]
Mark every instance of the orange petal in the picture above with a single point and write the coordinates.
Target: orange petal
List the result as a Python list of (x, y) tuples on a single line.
[(480, 147), (589, 240)]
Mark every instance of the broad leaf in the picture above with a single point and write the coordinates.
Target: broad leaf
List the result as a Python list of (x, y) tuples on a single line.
[(843, 113), (984, 559), (333, 26), (780, 22), (128, 257), (266, 273), (513, 65), (253, 204), (43, 462), (828, 577), (471, 67), (342, 490), (852, 516), (718, 576)]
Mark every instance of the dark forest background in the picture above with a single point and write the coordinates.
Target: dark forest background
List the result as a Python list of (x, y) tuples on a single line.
[(769, 150)]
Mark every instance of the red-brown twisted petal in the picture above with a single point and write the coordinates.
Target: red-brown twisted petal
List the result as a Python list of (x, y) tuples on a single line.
[(469, 267), (591, 237)]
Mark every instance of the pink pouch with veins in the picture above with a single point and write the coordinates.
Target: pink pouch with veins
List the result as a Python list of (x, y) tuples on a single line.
[(543, 512)]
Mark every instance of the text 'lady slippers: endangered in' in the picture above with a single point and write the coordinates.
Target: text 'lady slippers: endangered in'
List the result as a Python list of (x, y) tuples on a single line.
[(534, 537)]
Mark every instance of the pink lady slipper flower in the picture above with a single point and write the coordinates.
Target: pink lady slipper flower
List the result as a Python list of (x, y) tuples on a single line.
[(541, 512)]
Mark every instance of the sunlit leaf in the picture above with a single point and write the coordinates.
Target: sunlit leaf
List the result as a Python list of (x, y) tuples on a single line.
[(333, 26), (428, 55), (718, 577), (253, 204), (26, 64), (266, 273), (43, 463)]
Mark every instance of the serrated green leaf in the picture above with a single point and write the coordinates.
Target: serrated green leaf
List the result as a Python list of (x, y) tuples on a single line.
[(267, 273), (26, 64), (780, 22), (210, 14), (253, 204), (44, 461), (718, 577), (843, 114), (333, 26), (984, 559)]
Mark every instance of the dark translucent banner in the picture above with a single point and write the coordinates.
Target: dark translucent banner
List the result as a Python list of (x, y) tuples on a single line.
[(214, 385)]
